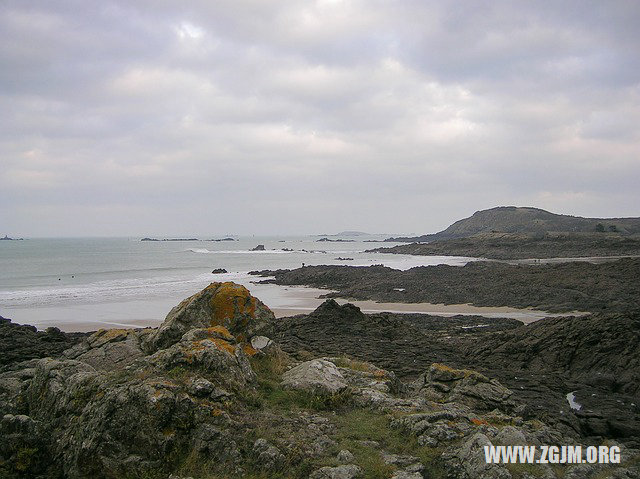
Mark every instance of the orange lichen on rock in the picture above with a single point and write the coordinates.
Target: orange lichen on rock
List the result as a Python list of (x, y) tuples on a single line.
[(443, 367), (231, 302), (224, 345), (220, 332), (249, 350), (447, 373), (103, 336), (479, 422)]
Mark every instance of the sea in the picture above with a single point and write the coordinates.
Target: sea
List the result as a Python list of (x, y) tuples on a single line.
[(83, 284)]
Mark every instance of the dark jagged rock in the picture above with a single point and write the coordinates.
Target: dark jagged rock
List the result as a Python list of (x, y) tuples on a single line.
[(404, 343), (24, 342), (564, 287), (600, 349), (219, 271), (596, 358), (520, 246), (260, 247)]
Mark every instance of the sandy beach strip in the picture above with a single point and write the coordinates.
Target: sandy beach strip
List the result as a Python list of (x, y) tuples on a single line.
[(283, 300)]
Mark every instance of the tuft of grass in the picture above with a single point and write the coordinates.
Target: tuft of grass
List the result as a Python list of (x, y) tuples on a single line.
[(270, 367), (274, 396), (347, 362)]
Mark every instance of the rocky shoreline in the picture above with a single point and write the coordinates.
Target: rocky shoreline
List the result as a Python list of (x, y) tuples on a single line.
[(564, 287), (223, 389), (516, 246)]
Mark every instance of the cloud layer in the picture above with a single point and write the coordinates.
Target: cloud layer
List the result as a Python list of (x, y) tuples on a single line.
[(156, 117)]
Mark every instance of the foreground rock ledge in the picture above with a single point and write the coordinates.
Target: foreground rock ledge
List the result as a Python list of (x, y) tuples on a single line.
[(194, 398)]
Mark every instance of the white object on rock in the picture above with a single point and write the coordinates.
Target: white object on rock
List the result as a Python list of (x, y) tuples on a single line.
[(260, 342)]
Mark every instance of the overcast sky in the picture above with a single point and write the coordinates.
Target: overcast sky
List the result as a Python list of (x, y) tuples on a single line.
[(141, 117)]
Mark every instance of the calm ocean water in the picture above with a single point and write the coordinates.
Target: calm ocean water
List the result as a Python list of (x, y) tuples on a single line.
[(125, 281)]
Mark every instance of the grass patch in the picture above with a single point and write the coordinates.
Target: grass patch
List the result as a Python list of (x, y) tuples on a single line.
[(272, 395), (178, 373), (520, 470), (368, 425)]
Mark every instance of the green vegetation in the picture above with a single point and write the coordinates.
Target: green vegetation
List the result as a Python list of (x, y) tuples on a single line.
[(275, 397), (525, 470), (358, 425)]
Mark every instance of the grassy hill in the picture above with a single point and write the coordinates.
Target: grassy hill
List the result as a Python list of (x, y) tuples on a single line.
[(514, 219)]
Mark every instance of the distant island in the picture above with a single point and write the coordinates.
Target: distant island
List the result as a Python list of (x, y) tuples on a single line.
[(222, 239), (347, 233), (170, 239), (334, 240), (6, 238)]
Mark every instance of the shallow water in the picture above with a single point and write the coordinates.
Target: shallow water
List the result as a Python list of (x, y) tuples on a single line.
[(87, 283)]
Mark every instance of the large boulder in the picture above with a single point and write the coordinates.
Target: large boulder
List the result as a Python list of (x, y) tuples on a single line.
[(227, 305), (318, 376)]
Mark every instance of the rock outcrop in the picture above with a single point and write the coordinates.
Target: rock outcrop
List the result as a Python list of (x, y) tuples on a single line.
[(128, 402), (444, 384), (205, 396), (219, 305)]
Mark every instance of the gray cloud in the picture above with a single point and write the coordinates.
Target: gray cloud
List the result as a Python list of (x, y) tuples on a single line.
[(145, 117)]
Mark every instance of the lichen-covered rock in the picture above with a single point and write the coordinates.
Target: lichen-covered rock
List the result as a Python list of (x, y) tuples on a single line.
[(444, 384), (350, 471), (227, 305), (407, 475), (468, 460), (204, 351), (511, 436), (109, 349), (267, 456), (23, 444), (317, 376), (58, 388), (345, 456)]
